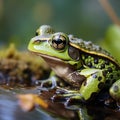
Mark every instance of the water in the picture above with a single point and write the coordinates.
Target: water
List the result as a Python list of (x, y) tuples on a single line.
[(10, 110)]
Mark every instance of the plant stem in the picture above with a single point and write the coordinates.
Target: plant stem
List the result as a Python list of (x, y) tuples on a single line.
[(110, 11)]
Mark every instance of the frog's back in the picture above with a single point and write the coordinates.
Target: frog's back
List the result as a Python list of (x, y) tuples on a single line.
[(94, 56), (87, 47)]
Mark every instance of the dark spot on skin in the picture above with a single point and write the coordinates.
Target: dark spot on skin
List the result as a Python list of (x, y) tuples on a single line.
[(102, 66), (116, 88), (110, 69), (89, 64), (86, 55), (100, 85), (94, 76), (104, 73), (100, 78), (111, 76), (107, 62), (96, 61)]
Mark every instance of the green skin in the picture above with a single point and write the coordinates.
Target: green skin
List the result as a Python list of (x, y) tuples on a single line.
[(85, 76)]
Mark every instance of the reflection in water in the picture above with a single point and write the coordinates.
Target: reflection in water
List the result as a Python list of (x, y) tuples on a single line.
[(9, 109), (5, 113)]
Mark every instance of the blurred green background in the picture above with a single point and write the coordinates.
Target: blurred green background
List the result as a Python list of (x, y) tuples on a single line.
[(86, 19)]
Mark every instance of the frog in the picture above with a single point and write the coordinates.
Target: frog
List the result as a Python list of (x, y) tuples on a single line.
[(81, 69)]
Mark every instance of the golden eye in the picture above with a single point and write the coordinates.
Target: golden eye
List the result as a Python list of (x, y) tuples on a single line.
[(59, 42)]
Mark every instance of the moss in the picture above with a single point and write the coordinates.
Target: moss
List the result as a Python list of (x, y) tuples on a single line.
[(20, 68)]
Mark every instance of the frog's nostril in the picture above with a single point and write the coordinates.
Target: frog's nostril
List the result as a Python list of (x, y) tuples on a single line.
[(36, 34)]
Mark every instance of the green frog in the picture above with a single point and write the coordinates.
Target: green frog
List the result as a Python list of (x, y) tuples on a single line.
[(81, 68)]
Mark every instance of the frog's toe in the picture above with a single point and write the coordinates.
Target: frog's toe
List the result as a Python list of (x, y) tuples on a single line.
[(45, 85), (61, 95), (74, 100), (60, 90)]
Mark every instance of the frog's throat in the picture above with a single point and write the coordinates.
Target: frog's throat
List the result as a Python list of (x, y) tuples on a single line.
[(61, 68)]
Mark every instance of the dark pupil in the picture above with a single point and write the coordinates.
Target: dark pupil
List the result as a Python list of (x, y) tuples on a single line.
[(58, 43)]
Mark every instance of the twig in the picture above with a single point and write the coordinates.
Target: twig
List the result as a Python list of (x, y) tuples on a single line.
[(109, 10)]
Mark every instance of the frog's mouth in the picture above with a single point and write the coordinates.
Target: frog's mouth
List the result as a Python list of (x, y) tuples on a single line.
[(60, 67), (50, 59)]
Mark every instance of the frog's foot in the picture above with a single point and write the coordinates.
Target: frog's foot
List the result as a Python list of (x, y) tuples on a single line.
[(69, 97), (48, 84)]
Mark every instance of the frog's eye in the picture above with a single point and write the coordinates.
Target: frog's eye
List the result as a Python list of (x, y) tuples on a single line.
[(59, 42)]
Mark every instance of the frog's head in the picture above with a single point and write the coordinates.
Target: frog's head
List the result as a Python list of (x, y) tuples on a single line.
[(54, 46)]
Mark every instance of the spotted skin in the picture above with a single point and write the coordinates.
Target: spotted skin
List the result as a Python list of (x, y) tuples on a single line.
[(110, 70), (95, 76)]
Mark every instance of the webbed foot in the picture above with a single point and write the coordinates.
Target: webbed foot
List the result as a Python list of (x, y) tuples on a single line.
[(48, 84)]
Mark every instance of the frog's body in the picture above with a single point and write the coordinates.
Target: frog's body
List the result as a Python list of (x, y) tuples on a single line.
[(84, 66)]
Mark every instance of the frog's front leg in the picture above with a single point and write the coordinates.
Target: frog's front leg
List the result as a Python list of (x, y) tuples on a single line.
[(45, 85), (93, 84), (52, 82)]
